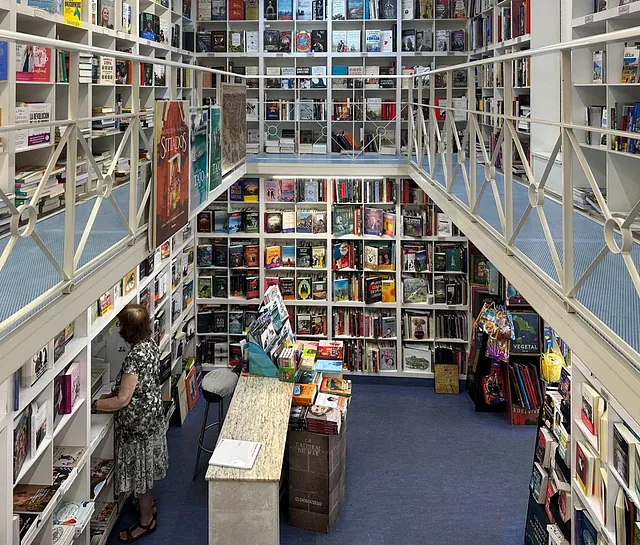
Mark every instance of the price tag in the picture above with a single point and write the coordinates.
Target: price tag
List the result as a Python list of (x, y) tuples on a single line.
[(623, 9), (38, 13), (365, 54), (310, 54), (449, 52), (588, 18), (279, 54)]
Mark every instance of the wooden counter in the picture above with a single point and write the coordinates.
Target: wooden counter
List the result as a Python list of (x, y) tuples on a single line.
[(244, 504)]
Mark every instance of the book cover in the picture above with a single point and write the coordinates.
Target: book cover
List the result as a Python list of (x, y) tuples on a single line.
[(236, 10), (271, 10), (272, 257), (21, 439), (629, 65), (32, 498), (355, 9), (388, 9), (107, 14), (171, 195), (33, 63), (598, 67), (341, 289), (285, 10), (338, 10), (71, 387)]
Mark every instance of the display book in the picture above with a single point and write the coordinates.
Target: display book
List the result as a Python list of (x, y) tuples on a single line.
[(549, 510)]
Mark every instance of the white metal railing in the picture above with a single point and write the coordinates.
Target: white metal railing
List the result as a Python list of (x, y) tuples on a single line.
[(71, 145), (428, 146), (465, 168)]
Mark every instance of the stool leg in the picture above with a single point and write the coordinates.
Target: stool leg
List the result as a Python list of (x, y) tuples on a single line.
[(204, 427), (220, 415)]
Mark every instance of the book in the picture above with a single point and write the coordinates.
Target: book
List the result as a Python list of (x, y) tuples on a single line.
[(629, 65), (21, 439), (271, 10), (338, 10), (234, 453), (32, 498), (585, 467), (107, 14), (71, 387), (33, 63), (624, 459), (598, 67), (38, 426)]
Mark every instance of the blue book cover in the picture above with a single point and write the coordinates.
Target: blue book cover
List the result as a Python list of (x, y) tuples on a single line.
[(285, 10), (288, 256), (328, 366), (47, 5), (339, 70), (235, 222), (341, 289), (4, 52), (523, 390)]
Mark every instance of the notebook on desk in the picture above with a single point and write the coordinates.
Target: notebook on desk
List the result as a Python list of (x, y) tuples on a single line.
[(234, 453)]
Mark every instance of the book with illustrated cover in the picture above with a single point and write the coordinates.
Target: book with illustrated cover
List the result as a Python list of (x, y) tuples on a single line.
[(371, 257), (71, 387), (303, 289), (288, 256), (204, 255), (21, 439), (389, 224), (303, 257), (273, 222), (388, 359), (415, 290), (630, 65), (319, 290), (442, 40), (304, 221), (236, 256), (442, 9), (38, 425), (32, 498), (388, 291), (319, 222), (373, 221), (64, 456), (341, 289), (236, 41), (288, 221), (373, 290), (318, 257), (101, 469), (205, 287), (272, 257), (598, 67)]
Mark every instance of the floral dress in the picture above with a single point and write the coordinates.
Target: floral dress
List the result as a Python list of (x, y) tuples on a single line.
[(140, 441)]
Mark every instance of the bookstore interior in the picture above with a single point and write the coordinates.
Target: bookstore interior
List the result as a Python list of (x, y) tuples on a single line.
[(305, 201)]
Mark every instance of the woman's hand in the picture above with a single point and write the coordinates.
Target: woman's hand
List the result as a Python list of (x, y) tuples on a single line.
[(122, 399)]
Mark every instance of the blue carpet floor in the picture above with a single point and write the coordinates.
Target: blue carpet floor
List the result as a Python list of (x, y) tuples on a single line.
[(422, 469)]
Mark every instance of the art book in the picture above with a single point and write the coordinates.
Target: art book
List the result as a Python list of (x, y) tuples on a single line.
[(171, 157), (215, 150)]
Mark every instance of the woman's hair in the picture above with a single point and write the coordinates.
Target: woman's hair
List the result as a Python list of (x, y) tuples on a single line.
[(135, 325)]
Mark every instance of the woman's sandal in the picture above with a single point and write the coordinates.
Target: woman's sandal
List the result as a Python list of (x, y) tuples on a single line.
[(148, 529)]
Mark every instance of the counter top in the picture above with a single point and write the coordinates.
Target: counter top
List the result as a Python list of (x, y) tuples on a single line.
[(259, 411)]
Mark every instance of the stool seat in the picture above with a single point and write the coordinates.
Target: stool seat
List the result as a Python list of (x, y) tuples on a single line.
[(219, 382), (217, 385)]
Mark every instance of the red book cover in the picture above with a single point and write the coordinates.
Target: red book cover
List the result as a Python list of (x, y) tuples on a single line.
[(33, 63), (171, 196), (440, 113), (526, 374), (527, 19), (236, 10), (582, 468)]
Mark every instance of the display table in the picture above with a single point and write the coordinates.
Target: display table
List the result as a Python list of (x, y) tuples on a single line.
[(244, 504)]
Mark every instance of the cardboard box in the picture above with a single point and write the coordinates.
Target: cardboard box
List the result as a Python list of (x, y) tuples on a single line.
[(317, 476)]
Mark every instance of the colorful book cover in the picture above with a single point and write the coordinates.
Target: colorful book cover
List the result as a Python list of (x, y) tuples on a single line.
[(288, 256), (72, 11), (199, 189), (273, 257), (285, 10), (171, 195), (33, 63), (71, 387), (215, 150)]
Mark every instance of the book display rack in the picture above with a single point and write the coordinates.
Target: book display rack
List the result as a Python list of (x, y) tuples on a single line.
[(295, 108), (606, 95), (369, 261), (62, 455)]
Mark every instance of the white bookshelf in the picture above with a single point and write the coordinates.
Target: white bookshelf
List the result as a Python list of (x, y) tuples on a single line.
[(70, 100), (329, 306), (613, 168), (95, 342), (389, 132), (604, 451)]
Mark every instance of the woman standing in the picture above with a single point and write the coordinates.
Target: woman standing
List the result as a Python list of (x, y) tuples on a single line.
[(140, 442)]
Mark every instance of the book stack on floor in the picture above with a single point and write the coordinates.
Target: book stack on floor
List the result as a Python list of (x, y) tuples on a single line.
[(316, 444)]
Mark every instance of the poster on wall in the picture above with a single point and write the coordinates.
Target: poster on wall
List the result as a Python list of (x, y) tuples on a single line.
[(234, 125), (199, 189), (215, 151), (171, 162)]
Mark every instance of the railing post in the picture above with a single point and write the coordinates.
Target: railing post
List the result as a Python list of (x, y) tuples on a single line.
[(507, 156), (448, 127), (566, 110), (411, 124), (473, 138), (134, 145), (418, 126), (72, 153), (431, 125)]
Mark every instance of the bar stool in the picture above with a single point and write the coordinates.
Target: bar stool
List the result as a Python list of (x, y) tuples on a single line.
[(217, 385)]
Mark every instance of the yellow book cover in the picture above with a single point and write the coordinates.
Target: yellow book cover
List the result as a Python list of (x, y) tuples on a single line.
[(388, 291), (272, 257)]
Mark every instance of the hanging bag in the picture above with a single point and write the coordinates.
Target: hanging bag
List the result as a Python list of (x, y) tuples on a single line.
[(551, 363)]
